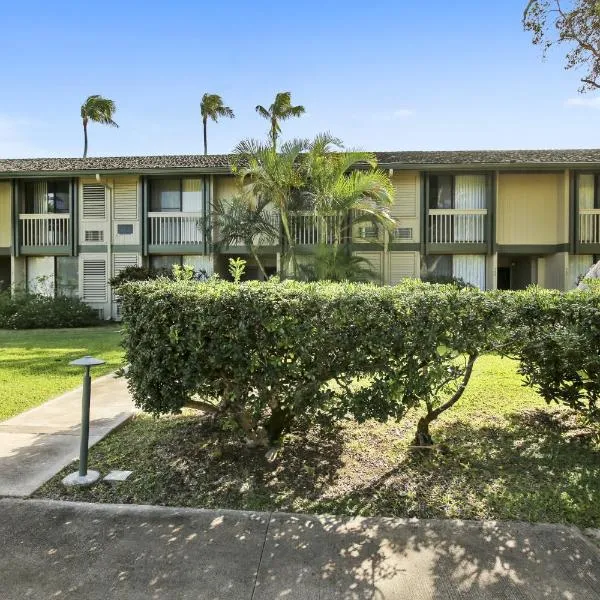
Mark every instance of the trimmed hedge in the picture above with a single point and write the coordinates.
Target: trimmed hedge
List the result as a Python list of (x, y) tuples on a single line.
[(267, 353), (36, 311), (556, 338)]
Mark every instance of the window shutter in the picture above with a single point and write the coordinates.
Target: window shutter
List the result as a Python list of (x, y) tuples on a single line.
[(125, 201), (402, 265), (405, 201), (94, 201), (94, 280)]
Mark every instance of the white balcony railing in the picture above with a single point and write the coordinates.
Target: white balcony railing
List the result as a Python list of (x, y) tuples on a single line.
[(589, 225), (457, 226), (310, 229), (175, 229), (44, 230)]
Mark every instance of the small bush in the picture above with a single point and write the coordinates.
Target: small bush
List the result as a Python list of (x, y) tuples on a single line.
[(266, 353), (134, 273), (36, 311)]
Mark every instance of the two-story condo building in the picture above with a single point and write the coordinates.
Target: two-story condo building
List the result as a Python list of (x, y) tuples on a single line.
[(497, 219)]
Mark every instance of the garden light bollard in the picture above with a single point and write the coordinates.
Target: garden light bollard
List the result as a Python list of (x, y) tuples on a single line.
[(83, 476)]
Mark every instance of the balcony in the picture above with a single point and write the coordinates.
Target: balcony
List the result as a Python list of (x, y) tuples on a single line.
[(175, 232), (309, 229), (457, 226), (589, 226), (45, 233)]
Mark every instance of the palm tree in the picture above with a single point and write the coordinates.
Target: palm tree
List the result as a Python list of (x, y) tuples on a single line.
[(274, 178), (99, 110), (244, 219), (348, 186), (280, 110), (212, 107), (332, 264)]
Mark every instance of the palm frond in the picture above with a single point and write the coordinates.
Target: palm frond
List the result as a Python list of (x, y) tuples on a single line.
[(263, 112), (99, 109)]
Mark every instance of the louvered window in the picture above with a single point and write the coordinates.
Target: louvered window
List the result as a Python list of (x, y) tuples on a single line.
[(94, 280), (94, 201), (94, 236), (122, 261), (125, 202)]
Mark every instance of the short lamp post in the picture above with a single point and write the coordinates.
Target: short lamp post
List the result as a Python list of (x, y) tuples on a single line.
[(83, 476)]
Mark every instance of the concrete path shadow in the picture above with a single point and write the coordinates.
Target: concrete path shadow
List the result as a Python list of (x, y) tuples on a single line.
[(103, 552)]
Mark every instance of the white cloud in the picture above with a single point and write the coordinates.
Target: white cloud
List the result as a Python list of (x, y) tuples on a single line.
[(584, 102)]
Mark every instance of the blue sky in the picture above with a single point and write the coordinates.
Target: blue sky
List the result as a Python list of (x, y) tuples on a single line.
[(385, 75)]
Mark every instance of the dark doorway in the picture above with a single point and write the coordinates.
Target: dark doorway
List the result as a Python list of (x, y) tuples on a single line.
[(4, 273), (503, 278)]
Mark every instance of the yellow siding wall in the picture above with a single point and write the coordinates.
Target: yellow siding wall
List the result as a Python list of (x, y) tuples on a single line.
[(5, 214), (532, 209), (225, 187), (375, 264)]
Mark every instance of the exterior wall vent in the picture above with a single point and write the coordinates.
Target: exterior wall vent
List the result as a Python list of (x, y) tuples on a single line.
[(94, 236), (403, 233)]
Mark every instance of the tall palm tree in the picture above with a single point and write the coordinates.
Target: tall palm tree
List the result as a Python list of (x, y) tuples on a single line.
[(212, 107), (280, 110), (99, 110), (274, 178)]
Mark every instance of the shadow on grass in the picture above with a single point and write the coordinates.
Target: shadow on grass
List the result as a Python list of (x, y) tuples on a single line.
[(542, 466)]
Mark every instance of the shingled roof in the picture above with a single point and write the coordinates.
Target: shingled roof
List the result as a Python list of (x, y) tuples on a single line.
[(220, 162)]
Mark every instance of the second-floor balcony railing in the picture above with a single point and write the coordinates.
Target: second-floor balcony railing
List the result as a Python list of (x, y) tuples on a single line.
[(44, 230), (457, 226), (589, 225), (175, 229), (308, 229)]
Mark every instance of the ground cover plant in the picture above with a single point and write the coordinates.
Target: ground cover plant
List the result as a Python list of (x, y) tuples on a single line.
[(34, 364), (501, 453)]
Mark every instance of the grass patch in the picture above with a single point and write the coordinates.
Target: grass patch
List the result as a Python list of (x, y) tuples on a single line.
[(502, 453), (34, 364)]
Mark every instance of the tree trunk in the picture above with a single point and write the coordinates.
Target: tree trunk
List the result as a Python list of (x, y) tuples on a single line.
[(278, 423), (255, 256), (288, 235), (205, 143), (274, 134), (85, 138), (422, 435)]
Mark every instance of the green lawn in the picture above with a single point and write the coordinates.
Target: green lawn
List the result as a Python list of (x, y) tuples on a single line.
[(501, 453), (34, 364)]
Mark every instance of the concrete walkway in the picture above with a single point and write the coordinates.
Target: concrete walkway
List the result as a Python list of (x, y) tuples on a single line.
[(103, 552), (36, 444)]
